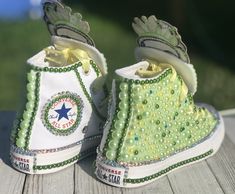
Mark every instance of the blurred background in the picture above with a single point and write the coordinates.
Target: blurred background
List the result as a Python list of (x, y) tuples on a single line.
[(206, 27)]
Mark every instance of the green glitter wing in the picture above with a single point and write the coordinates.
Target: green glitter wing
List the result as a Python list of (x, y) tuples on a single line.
[(62, 22), (158, 34)]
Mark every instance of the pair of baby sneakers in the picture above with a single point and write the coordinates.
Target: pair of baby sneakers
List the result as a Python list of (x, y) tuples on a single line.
[(149, 125)]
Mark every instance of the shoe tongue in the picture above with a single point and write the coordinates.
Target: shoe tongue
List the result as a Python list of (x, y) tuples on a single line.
[(142, 70), (154, 68), (185, 70)]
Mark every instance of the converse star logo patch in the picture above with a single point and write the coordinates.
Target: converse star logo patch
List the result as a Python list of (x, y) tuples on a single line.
[(62, 114)]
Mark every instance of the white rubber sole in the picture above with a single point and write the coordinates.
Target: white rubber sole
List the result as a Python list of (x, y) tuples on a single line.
[(53, 160), (136, 176)]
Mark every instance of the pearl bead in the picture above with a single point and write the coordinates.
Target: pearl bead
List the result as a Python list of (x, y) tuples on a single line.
[(122, 115), (30, 87), (26, 115), (146, 114), (31, 77), (24, 125), (137, 98), (130, 141), (22, 133), (124, 86), (29, 105), (123, 96), (111, 155), (116, 134), (30, 96), (137, 89), (113, 144), (20, 142), (123, 105), (119, 125), (142, 130), (126, 156)]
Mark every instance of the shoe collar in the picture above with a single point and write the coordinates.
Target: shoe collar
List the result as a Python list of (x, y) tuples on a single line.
[(184, 69), (97, 57)]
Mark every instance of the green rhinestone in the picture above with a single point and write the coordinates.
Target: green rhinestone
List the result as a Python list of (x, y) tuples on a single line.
[(136, 152), (156, 106), (187, 123), (163, 134), (172, 91), (197, 122), (182, 129), (139, 117), (145, 102), (157, 122)]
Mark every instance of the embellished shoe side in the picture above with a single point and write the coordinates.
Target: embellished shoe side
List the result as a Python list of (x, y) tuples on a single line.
[(154, 125), (64, 111)]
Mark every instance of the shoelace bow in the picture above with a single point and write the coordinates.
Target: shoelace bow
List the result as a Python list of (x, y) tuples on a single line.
[(155, 69), (62, 56)]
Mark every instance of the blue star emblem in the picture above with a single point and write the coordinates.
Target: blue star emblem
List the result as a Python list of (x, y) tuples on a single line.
[(63, 112)]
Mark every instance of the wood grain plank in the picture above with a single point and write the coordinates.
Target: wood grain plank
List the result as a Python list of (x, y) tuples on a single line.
[(61, 182), (222, 165), (11, 181), (196, 178), (86, 183), (230, 127), (161, 186)]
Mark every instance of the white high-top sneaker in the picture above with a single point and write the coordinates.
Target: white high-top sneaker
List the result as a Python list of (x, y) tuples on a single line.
[(63, 114), (154, 126)]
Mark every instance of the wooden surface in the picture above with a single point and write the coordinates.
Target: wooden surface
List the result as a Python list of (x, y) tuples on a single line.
[(215, 175)]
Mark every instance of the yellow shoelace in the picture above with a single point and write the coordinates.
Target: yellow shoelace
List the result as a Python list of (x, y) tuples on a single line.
[(60, 56), (155, 69)]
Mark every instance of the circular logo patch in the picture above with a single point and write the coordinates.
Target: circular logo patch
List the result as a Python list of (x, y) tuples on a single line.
[(62, 114)]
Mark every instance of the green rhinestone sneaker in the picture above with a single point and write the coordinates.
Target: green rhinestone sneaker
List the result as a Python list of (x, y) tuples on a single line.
[(154, 126), (64, 110)]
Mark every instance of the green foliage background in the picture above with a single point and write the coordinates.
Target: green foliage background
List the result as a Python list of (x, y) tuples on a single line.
[(110, 28)]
